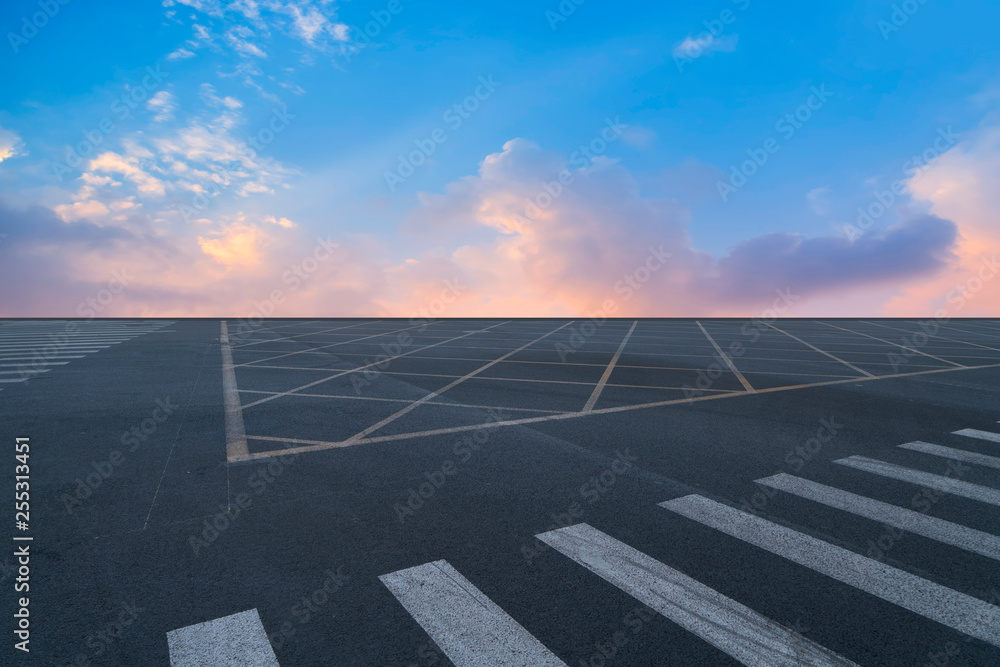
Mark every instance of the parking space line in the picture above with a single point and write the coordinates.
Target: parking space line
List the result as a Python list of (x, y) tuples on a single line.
[(311, 333), (607, 371), (361, 368), (723, 622), (909, 520), (407, 400), (951, 608), (846, 363), (236, 437), (938, 337), (955, 487), (318, 445), (976, 433), (324, 347), (434, 394), (725, 357), (238, 640), (899, 345), (465, 624), (954, 454)]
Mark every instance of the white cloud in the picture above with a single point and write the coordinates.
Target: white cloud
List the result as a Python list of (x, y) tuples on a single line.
[(704, 44), (819, 200), (162, 104), (10, 145)]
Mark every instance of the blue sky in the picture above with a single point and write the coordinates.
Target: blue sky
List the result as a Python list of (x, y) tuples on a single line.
[(349, 105)]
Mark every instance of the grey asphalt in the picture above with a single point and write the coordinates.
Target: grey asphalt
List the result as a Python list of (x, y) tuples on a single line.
[(143, 525)]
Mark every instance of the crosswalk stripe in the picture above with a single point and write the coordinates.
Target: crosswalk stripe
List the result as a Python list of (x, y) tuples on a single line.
[(954, 454), (950, 485), (918, 523), (468, 627), (956, 610), (982, 435), (726, 624), (238, 640)]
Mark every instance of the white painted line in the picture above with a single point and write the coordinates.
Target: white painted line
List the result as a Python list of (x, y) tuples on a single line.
[(955, 487), (353, 370), (909, 520), (936, 336), (44, 360), (889, 342), (954, 454), (982, 435), (310, 333), (26, 370), (955, 610), (846, 363), (726, 624), (238, 640), (725, 357), (434, 394), (319, 445), (607, 371), (343, 342), (236, 437), (47, 363), (468, 627), (13, 381)]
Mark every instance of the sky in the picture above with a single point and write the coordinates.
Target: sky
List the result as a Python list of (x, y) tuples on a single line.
[(397, 158)]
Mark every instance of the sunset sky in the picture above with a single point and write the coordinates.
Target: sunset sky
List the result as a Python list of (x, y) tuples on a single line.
[(396, 158)]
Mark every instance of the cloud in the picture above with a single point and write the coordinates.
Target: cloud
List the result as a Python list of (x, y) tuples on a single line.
[(116, 163), (705, 44), (281, 222), (819, 200), (10, 145), (162, 104), (961, 186)]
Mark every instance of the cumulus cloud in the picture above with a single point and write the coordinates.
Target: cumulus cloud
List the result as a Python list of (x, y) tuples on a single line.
[(961, 186)]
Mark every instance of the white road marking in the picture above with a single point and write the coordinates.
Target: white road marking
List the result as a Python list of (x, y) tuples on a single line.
[(846, 363), (353, 370), (954, 454), (956, 610), (291, 338), (323, 347), (236, 436), (917, 523), (889, 342), (936, 336), (725, 357), (319, 445), (726, 624), (955, 487), (982, 435), (468, 627), (607, 371), (238, 640), (434, 394)]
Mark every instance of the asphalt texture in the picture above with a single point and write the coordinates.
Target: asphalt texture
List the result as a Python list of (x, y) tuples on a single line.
[(169, 487)]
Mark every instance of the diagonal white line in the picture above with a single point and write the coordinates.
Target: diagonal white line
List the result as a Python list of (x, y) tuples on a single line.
[(937, 336), (323, 347), (361, 368), (725, 357), (607, 371), (310, 333), (848, 364), (889, 342), (434, 394)]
